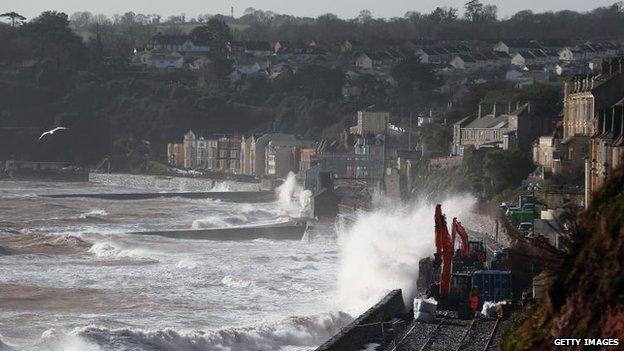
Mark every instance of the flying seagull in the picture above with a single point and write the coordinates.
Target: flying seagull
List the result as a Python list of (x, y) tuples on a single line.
[(52, 131)]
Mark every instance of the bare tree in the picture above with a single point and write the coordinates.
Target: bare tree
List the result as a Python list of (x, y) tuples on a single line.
[(15, 17)]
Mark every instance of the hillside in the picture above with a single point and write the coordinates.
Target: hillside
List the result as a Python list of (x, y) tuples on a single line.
[(586, 295)]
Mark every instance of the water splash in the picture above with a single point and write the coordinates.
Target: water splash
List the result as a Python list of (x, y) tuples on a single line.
[(380, 251)]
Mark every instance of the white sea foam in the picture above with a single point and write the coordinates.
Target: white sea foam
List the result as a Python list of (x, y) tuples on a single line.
[(53, 340), (221, 187), (234, 282), (94, 213), (108, 249), (380, 251), (187, 263), (294, 331)]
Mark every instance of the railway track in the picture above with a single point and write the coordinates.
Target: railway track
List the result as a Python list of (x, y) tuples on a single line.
[(479, 335), (449, 334)]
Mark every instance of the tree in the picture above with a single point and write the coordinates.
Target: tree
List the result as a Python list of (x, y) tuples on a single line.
[(14, 16), (505, 168), (474, 8), (365, 16), (54, 41), (215, 33)]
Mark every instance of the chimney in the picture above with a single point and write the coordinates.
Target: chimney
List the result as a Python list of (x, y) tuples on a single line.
[(480, 109), (494, 109), (529, 107)]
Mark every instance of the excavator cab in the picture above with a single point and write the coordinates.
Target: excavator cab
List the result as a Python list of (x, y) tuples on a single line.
[(476, 254)]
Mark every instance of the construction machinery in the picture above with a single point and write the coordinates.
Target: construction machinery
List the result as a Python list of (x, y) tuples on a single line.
[(457, 279)]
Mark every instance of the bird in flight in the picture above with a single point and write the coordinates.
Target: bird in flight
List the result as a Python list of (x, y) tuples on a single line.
[(52, 131)]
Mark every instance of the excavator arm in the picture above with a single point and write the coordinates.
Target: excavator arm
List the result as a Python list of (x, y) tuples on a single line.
[(459, 229), (444, 248)]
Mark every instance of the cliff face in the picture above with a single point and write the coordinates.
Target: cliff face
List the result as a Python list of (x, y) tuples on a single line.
[(586, 294)]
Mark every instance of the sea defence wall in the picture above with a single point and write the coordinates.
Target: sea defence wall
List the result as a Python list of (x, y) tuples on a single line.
[(367, 326), (233, 196)]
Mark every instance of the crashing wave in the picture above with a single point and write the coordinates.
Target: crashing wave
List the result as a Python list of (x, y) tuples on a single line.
[(294, 331), (107, 249)]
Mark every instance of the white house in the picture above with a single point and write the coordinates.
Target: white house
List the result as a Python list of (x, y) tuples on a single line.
[(463, 62), (364, 61), (254, 69), (523, 58), (159, 59)]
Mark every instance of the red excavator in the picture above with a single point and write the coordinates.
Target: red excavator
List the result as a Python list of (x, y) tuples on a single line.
[(453, 288)]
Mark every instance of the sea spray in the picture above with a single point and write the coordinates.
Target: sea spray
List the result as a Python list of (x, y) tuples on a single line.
[(53, 340), (287, 191), (380, 251)]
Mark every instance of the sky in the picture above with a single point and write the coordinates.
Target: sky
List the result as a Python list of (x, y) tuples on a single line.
[(311, 8)]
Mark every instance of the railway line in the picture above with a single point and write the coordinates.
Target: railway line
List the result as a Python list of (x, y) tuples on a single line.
[(449, 334)]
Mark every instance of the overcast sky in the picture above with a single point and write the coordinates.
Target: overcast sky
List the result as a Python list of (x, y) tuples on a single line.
[(312, 8)]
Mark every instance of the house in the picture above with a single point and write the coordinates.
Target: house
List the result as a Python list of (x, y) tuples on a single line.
[(584, 96), (252, 156), (283, 156), (432, 55), (190, 150), (365, 161), (365, 61), (503, 127), (175, 154), (255, 69), (590, 102), (369, 122), (606, 146), (512, 46), (159, 59), (258, 48), (528, 75), (199, 63), (560, 157), (462, 61), (523, 58), (218, 153), (178, 43)]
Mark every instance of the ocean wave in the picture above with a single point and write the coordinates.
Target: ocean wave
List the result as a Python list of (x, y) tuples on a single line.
[(307, 331), (233, 282), (42, 244), (5, 347), (95, 213), (186, 263), (220, 222), (53, 340), (108, 249)]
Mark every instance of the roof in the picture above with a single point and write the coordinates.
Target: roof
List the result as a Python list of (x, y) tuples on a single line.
[(170, 39), (522, 43), (466, 58), (257, 45), (490, 122)]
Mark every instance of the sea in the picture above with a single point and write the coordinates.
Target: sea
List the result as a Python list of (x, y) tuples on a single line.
[(71, 279)]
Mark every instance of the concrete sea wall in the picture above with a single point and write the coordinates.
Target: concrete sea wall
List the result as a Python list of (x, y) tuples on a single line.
[(368, 325), (234, 196)]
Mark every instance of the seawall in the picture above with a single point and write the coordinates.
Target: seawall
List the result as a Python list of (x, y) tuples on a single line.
[(233, 196), (368, 326)]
